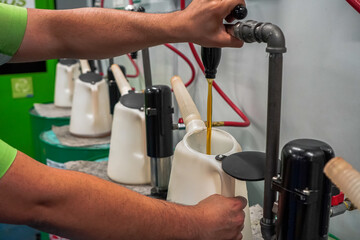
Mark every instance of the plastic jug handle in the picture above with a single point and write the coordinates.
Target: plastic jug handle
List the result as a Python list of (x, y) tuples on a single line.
[(95, 102), (187, 107), (120, 79), (70, 74), (227, 182)]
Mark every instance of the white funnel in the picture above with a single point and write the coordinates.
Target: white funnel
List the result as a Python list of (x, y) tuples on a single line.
[(121, 81), (194, 174), (187, 107)]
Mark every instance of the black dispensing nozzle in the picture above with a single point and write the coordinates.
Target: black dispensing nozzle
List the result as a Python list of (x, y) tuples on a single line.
[(211, 59)]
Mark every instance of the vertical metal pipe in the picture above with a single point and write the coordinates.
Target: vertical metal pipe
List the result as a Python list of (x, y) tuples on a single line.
[(147, 67), (273, 133)]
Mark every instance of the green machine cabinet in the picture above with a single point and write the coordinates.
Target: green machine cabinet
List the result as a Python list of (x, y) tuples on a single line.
[(22, 85)]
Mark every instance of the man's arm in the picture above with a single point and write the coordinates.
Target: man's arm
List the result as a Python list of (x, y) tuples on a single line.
[(80, 206), (93, 33)]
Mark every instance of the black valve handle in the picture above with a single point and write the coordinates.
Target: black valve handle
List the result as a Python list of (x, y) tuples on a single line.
[(239, 12)]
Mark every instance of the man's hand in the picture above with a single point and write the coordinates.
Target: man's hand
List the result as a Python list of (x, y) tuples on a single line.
[(204, 22), (221, 217)]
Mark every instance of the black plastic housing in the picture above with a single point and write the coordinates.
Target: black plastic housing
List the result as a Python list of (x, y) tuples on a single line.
[(158, 117), (114, 92), (304, 191)]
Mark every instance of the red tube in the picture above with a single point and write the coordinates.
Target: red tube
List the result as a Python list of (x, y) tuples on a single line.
[(137, 72), (102, 3), (131, 2), (222, 94), (186, 60), (182, 4), (355, 4), (218, 89), (234, 107)]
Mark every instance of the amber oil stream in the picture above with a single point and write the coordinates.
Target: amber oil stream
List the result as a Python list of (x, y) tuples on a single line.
[(209, 116)]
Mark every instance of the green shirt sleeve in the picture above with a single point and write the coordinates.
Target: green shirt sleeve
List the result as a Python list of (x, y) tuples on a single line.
[(7, 156), (13, 24)]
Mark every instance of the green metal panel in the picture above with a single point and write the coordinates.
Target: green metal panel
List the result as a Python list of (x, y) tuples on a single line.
[(15, 127), (45, 4)]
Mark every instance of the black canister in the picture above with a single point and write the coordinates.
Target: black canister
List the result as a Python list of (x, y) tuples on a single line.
[(114, 92), (158, 115), (304, 191), (159, 137)]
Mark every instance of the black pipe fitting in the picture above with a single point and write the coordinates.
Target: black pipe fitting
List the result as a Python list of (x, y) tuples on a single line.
[(253, 31)]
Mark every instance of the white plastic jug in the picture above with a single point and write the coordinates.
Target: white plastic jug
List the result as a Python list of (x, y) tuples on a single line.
[(67, 70), (128, 161), (194, 174), (90, 113)]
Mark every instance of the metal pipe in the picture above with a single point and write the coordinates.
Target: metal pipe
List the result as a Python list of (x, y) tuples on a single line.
[(160, 173), (272, 134), (147, 67), (252, 31)]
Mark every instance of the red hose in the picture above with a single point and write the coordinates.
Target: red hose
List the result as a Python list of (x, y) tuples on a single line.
[(182, 4), (218, 89), (137, 72), (186, 60), (223, 95), (355, 4)]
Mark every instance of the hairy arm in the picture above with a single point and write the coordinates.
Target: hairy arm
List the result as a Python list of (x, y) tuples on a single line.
[(93, 33), (80, 206)]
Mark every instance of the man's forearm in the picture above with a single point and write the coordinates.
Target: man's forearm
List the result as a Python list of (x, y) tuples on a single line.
[(93, 33), (80, 206)]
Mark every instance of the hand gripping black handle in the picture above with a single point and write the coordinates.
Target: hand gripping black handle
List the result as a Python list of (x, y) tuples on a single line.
[(239, 12)]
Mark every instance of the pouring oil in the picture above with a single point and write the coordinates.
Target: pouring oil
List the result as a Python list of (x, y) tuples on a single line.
[(209, 116)]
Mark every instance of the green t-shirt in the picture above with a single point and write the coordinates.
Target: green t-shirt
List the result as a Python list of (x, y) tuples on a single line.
[(12, 29), (7, 156), (13, 24)]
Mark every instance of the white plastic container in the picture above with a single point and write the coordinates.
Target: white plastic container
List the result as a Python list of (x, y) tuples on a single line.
[(128, 161), (196, 175), (67, 70), (90, 113)]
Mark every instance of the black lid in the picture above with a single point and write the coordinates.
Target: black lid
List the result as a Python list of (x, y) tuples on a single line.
[(246, 166), (90, 77), (68, 61), (133, 100)]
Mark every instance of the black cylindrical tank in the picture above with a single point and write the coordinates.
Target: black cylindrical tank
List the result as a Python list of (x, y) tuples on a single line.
[(304, 191), (158, 117), (114, 92)]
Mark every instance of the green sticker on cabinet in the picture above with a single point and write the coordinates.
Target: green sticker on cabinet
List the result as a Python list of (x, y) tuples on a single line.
[(22, 87)]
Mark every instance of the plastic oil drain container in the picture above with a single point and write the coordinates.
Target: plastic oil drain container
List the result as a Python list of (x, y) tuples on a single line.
[(41, 124), (55, 154)]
